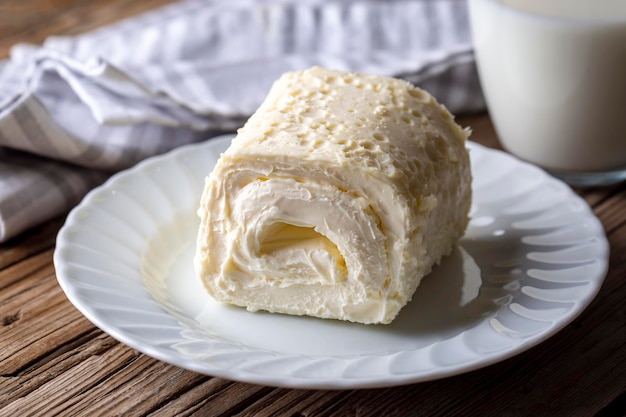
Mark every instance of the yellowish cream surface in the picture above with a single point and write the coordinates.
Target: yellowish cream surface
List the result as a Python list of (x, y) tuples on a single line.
[(335, 199)]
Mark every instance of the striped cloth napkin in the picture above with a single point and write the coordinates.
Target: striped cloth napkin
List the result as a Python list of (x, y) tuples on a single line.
[(77, 109)]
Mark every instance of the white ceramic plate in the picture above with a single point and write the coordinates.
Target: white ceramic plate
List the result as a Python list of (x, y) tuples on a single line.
[(532, 259)]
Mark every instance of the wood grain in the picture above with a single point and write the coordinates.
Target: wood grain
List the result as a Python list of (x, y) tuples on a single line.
[(32, 21), (53, 361), (75, 367)]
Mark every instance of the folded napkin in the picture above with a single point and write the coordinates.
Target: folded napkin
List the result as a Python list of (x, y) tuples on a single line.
[(77, 109)]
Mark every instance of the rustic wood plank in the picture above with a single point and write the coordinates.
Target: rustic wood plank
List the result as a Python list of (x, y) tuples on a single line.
[(196, 400), (59, 325), (596, 195), (34, 20), (610, 211), (288, 402), (137, 388), (94, 342), (229, 399), (293, 402), (75, 369), (23, 274), (57, 395), (29, 243), (35, 315)]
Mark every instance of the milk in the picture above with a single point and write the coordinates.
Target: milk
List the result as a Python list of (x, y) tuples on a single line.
[(554, 76)]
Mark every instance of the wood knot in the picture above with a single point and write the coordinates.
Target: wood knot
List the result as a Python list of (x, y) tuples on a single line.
[(11, 318)]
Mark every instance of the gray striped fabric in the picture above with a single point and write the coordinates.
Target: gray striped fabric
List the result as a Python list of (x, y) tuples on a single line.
[(78, 108)]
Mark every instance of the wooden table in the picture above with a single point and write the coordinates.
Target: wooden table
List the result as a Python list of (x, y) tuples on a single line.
[(55, 362)]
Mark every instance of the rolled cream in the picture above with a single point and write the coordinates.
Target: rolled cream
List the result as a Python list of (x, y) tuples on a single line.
[(335, 199)]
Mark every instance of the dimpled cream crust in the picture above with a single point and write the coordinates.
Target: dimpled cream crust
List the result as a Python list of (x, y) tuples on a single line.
[(335, 199)]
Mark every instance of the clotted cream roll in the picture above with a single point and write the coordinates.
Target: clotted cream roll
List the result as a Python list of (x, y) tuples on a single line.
[(335, 199)]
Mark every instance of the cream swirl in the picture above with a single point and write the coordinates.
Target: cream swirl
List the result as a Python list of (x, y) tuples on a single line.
[(335, 199)]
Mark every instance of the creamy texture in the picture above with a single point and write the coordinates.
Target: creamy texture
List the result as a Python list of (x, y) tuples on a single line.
[(554, 79), (335, 199)]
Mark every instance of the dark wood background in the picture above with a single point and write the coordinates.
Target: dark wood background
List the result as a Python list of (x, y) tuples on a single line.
[(55, 362)]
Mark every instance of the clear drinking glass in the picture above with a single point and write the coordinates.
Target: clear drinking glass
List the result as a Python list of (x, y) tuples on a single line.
[(554, 77)]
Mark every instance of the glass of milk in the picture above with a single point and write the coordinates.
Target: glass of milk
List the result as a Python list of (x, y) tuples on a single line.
[(554, 77)]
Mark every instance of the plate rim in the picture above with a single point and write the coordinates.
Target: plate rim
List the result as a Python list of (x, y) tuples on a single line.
[(168, 355)]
